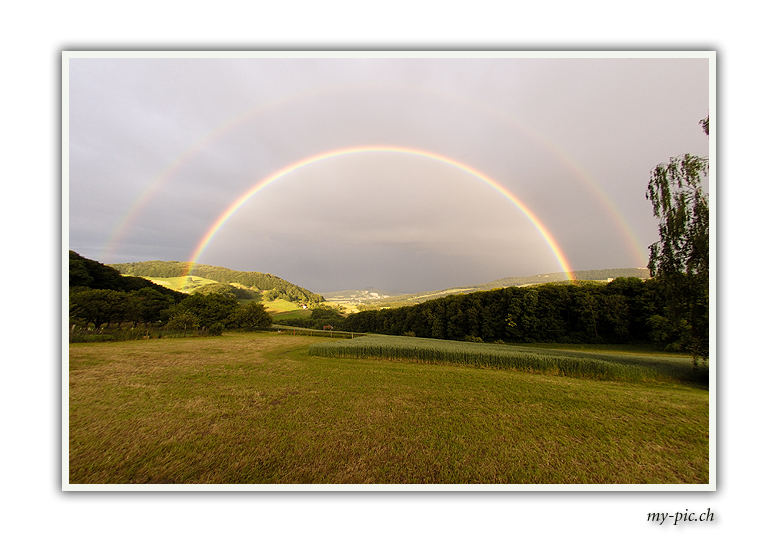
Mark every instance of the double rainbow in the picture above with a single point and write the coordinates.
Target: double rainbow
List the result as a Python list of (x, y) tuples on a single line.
[(124, 221)]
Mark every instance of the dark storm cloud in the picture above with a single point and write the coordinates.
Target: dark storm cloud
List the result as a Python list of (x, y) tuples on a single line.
[(548, 130)]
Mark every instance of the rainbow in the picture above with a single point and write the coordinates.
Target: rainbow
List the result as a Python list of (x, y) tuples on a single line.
[(166, 174), (129, 217), (264, 182)]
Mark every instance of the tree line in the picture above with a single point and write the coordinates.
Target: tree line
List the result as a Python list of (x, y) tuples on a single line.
[(670, 309), (625, 310), (320, 317), (101, 296), (207, 312)]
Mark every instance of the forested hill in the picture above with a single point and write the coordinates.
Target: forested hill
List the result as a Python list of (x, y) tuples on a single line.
[(94, 275), (262, 281), (400, 300), (584, 275)]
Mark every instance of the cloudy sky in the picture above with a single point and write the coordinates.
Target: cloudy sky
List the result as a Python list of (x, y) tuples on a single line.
[(160, 148)]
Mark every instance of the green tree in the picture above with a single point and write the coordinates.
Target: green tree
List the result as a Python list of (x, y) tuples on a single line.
[(209, 309), (615, 312), (585, 308), (251, 316), (520, 314), (680, 259), (184, 319), (149, 304), (98, 306)]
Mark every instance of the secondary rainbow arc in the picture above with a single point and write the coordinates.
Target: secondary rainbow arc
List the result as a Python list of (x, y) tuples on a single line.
[(130, 216), (307, 161)]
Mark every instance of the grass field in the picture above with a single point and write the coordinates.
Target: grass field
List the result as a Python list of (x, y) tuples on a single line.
[(282, 309), (280, 306), (286, 315), (257, 408), (184, 283)]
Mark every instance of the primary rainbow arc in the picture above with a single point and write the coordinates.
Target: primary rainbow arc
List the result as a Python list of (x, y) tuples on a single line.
[(582, 175), (264, 182)]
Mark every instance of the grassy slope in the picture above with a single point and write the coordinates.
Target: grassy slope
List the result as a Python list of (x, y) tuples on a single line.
[(296, 314), (185, 283), (255, 408), (280, 306), (420, 297), (282, 309), (246, 279)]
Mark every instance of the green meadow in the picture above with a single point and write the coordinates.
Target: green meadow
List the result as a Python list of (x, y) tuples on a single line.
[(183, 283), (282, 309), (259, 408)]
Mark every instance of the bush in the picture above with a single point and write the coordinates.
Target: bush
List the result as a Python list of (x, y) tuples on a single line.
[(183, 320), (251, 316)]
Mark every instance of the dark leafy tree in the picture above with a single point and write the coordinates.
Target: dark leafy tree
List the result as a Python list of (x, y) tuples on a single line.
[(251, 316), (680, 259), (184, 319), (585, 309), (615, 314), (208, 309), (98, 306), (84, 272), (150, 304)]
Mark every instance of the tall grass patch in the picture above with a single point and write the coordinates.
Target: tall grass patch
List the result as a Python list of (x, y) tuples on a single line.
[(590, 365)]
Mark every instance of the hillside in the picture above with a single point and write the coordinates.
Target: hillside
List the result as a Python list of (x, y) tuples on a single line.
[(582, 275), (369, 300), (274, 286), (84, 272)]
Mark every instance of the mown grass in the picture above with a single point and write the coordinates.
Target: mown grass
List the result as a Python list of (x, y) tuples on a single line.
[(593, 363), (256, 408)]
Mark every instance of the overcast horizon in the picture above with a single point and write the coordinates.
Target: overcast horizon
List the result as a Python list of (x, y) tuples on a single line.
[(161, 148)]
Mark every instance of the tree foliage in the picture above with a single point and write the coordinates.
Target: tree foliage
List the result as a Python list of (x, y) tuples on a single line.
[(320, 317), (100, 295), (98, 306), (681, 206), (251, 316), (209, 309), (92, 274), (679, 260)]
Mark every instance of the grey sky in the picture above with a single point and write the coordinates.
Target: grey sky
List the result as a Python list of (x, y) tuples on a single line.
[(556, 133)]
